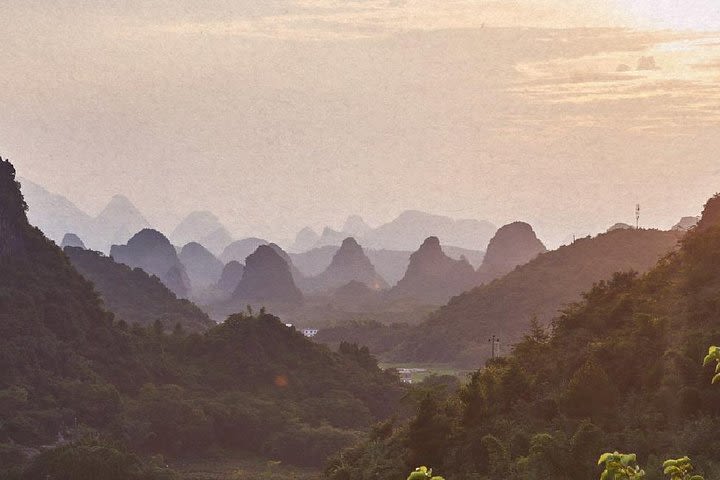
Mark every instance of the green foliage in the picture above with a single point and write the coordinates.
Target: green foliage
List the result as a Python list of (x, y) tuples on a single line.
[(91, 460), (67, 366), (680, 469), (423, 473), (619, 369), (620, 466), (134, 296), (713, 356)]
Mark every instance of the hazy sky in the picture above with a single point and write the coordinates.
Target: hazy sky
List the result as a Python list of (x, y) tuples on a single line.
[(284, 113)]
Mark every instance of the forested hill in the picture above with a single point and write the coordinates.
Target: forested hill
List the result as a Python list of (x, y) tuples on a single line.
[(134, 296), (459, 332), (619, 371), (250, 385)]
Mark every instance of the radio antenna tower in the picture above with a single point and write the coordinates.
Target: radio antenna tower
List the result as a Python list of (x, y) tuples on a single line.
[(637, 216)]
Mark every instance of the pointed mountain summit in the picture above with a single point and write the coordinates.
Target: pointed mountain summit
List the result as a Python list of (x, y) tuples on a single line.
[(153, 252), (72, 240), (203, 268), (433, 277), (513, 245), (204, 228), (348, 264), (267, 278), (118, 221)]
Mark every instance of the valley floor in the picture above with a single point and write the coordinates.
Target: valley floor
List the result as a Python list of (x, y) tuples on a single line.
[(227, 468)]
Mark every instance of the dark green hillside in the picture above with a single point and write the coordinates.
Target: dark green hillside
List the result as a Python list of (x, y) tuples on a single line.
[(133, 295), (621, 370), (59, 350), (459, 331), (69, 369)]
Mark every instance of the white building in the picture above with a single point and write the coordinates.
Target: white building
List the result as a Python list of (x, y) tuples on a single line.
[(309, 332)]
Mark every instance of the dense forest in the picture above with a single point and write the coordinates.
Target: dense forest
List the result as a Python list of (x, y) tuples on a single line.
[(458, 332), (134, 296), (620, 370), (73, 376)]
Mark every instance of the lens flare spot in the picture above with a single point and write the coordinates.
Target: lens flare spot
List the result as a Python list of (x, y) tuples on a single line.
[(281, 381)]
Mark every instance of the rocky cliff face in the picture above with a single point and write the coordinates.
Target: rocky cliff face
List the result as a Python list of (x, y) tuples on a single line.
[(349, 264), (513, 245), (267, 278), (203, 268), (13, 219), (432, 277), (153, 252)]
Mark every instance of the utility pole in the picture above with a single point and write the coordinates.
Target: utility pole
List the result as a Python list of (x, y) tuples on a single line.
[(637, 216), (494, 346)]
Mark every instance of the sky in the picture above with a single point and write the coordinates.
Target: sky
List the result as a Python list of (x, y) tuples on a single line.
[(280, 114)]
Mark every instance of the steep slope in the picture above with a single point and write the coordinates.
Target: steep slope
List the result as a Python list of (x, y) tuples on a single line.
[(459, 331), (152, 251), (56, 341), (621, 370), (204, 228), (433, 277), (513, 244), (348, 264), (134, 296), (240, 249), (202, 267), (249, 385), (267, 278)]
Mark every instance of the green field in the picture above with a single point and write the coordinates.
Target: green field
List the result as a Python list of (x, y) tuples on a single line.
[(429, 369)]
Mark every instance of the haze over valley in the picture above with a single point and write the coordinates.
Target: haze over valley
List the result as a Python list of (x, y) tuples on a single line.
[(377, 239)]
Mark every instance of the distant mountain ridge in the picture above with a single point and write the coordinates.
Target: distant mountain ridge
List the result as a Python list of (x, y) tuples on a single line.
[(349, 264), (56, 216), (404, 233), (204, 228), (459, 331)]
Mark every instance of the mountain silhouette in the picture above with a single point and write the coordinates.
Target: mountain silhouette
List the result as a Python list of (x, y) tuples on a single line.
[(153, 252)]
